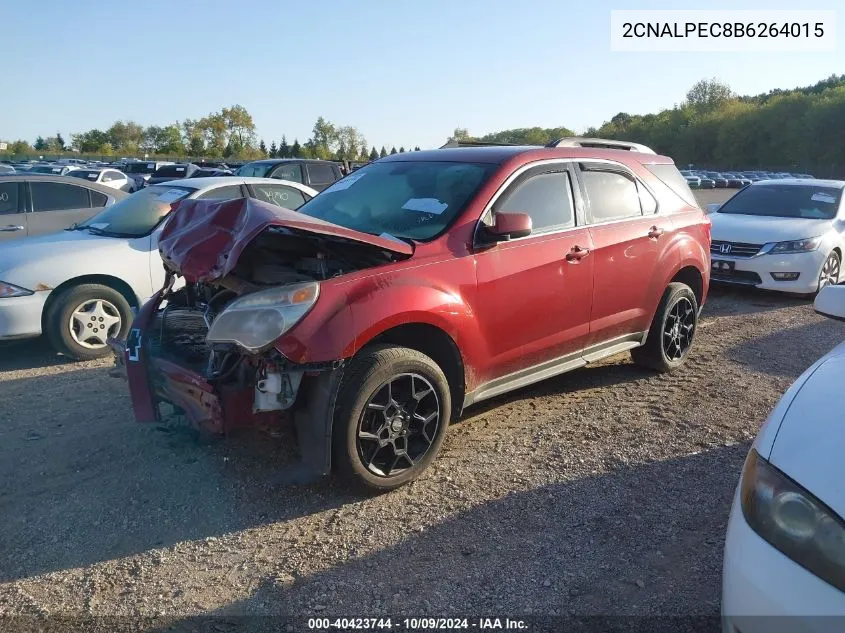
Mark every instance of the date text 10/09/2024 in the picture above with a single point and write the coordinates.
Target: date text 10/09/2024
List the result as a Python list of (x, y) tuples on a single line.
[(416, 624)]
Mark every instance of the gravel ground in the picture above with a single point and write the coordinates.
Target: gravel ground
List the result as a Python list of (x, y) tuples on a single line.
[(603, 491)]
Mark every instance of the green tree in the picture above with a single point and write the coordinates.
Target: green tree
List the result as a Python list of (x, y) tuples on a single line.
[(374, 155), (460, 134), (262, 148), (40, 144), (19, 147), (60, 141), (708, 94), (193, 137), (341, 153), (402, 149), (273, 149), (383, 152), (284, 148), (125, 136), (417, 148), (393, 150), (296, 149), (170, 141), (90, 141), (240, 127)]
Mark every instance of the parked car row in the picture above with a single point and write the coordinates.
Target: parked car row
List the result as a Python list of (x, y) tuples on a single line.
[(732, 180)]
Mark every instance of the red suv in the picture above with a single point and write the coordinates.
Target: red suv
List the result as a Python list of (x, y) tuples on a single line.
[(416, 286)]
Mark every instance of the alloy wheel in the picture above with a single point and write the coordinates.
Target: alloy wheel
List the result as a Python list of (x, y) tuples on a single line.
[(398, 425), (93, 322), (679, 329), (830, 271)]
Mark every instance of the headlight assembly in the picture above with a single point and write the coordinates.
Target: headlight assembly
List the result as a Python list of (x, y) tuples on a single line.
[(8, 290), (793, 521), (796, 246), (255, 320)]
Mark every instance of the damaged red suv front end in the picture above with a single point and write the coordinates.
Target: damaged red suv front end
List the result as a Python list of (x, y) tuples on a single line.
[(209, 349)]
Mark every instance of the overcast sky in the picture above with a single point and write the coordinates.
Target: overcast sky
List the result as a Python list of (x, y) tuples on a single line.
[(402, 72)]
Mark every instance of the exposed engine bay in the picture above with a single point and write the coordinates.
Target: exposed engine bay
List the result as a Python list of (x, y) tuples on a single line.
[(276, 258)]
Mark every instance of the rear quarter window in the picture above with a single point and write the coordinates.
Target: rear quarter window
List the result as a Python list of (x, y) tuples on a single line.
[(670, 176)]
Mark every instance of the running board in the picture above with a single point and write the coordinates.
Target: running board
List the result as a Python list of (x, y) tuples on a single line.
[(554, 367)]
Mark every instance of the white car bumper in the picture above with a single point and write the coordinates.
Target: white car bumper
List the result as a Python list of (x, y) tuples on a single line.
[(760, 586), (757, 271), (20, 317)]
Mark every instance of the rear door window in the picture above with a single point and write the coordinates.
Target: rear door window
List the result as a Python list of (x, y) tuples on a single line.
[(612, 195), (320, 174), (280, 195), (55, 196), (288, 171), (8, 198)]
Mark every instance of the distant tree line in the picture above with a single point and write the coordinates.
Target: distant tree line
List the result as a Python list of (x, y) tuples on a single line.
[(794, 130), (229, 133)]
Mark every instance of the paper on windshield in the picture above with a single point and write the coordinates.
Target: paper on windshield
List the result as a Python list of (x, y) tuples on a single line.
[(345, 183), (92, 176), (171, 195), (151, 165), (99, 225), (425, 205), (178, 169), (823, 197)]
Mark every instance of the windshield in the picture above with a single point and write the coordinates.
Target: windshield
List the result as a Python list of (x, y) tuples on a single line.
[(171, 171), (414, 200), (138, 214), (785, 201), (46, 169), (87, 174), (139, 168), (257, 170)]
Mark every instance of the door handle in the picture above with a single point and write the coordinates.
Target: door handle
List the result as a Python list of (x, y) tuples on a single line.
[(576, 254), (10, 228), (655, 232)]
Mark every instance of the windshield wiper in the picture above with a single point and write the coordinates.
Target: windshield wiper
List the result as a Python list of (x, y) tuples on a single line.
[(76, 226), (98, 231)]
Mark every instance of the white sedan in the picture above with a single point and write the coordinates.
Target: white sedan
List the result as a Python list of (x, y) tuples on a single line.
[(786, 235), (83, 283), (106, 177), (785, 546)]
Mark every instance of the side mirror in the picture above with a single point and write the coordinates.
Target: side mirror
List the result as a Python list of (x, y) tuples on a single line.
[(713, 207), (830, 302), (509, 226)]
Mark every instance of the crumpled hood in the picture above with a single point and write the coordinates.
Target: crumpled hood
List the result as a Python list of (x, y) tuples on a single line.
[(203, 239), (752, 229), (810, 440)]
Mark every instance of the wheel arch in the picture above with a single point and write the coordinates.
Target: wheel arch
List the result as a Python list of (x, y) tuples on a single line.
[(438, 345), (115, 283), (692, 277)]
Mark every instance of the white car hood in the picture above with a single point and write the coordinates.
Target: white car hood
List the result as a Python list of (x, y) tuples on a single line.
[(752, 229), (810, 440), (46, 261)]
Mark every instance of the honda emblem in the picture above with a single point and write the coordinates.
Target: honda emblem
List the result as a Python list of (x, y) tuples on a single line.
[(725, 249)]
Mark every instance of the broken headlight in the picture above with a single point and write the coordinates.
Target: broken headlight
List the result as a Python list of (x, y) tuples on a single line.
[(256, 320)]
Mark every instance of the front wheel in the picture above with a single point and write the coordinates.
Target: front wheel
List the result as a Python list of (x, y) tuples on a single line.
[(82, 318), (830, 270), (391, 416), (672, 330)]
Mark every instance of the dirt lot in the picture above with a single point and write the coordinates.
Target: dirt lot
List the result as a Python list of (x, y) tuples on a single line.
[(602, 491)]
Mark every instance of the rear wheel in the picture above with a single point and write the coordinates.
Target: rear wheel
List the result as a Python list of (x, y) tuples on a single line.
[(82, 318), (391, 417), (672, 330)]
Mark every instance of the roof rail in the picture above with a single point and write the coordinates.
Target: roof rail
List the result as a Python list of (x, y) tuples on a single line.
[(455, 143), (581, 141)]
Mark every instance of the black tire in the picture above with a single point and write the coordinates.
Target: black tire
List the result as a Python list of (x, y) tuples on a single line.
[(658, 353), (365, 380), (58, 319)]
